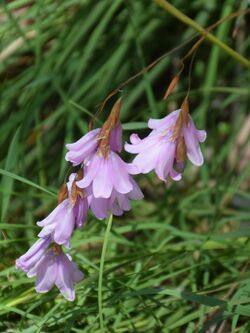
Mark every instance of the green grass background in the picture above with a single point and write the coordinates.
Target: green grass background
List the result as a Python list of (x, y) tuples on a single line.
[(178, 261)]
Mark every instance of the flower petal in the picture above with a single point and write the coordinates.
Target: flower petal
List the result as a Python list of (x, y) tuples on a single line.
[(145, 161), (46, 273), (54, 215), (99, 207), (64, 279), (102, 184), (194, 153), (119, 175), (33, 255), (79, 156), (136, 193), (165, 160), (64, 228), (90, 171), (164, 122), (141, 145), (80, 211), (201, 135), (89, 137)]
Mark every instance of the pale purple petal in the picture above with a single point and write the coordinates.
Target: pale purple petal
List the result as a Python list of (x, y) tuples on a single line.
[(141, 145), (102, 183), (194, 153), (135, 139), (123, 202), (47, 230), (132, 169), (175, 175), (201, 135), (99, 207), (46, 273), (90, 171), (136, 193), (80, 211), (77, 157), (89, 137), (64, 279), (146, 161), (53, 216), (167, 121), (119, 175), (77, 274), (65, 227), (33, 255), (115, 209), (165, 160)]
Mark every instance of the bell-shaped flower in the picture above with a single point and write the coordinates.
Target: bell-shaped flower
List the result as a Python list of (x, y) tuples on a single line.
[(54, 268), (70, 213), (164, 149), (106, 175)]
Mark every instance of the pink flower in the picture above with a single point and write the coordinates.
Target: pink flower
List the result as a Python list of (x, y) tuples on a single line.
[(60, 223), (160, 150), (50, 267), (107, 178)]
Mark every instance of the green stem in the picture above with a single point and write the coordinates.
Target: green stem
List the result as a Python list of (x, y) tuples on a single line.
[(100, 279), (188, 21)]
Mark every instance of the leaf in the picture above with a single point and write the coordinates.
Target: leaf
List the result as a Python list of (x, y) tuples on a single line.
[(10, 165), (26, 181)]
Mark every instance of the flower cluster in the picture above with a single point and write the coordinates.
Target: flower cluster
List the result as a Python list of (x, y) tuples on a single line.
[(105, 185)]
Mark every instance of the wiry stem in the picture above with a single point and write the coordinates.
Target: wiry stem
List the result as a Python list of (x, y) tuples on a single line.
[(104, 249), (188, 21)]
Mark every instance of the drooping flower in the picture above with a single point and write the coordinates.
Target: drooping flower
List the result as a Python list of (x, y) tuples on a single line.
[(81, 150), (116, 204), (107, 178), (34, 254), (53, 268), (172, 139), (69, 213)]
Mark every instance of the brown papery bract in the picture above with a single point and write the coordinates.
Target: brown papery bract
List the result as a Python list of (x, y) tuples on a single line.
[(181, 150), (75, 190), (107, 127), (171, 87), (63, 193)]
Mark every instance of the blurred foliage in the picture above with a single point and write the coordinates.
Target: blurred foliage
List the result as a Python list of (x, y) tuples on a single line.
[(178, 261)]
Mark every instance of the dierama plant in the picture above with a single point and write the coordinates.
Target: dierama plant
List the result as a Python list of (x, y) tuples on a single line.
[(105, 185)]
